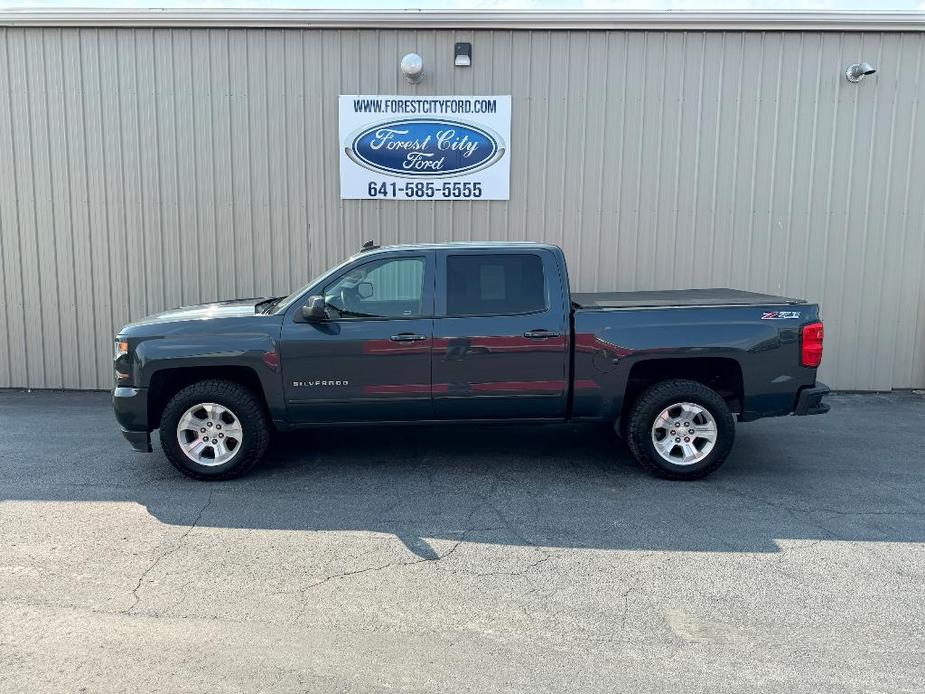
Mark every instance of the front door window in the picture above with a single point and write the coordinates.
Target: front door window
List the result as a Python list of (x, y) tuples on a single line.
[(390, 288)]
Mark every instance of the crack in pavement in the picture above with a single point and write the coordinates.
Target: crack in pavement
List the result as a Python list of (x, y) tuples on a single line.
[(167, 553), (633, 584), (626, 606), (369, 569), (545, 556)]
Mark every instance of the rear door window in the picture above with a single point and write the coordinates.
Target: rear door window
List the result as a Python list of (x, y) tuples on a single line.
[(491, 285)]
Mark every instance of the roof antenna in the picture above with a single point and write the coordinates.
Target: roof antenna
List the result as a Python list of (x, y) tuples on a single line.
[(369, 246)]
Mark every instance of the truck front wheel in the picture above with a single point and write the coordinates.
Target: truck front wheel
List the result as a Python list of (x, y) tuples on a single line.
[(214, 430), (680, 429)]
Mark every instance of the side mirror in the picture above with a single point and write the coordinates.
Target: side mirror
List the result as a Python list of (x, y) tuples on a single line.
[(314, 310), (364, 290)]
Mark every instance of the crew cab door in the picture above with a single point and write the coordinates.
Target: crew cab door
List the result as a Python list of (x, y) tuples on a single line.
[(370, 359), (501, 335)]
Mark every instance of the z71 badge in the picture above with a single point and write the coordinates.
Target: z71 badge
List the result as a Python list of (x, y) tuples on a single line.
[(780, 315)]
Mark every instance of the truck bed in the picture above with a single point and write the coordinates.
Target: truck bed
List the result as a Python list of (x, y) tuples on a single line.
[(678, 297)]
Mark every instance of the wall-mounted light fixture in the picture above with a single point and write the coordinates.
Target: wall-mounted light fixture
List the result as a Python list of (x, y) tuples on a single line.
[(462, 54), (412, 67), (858, 71)]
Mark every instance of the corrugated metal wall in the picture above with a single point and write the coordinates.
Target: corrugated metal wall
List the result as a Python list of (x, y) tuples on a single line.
[(141, 169)]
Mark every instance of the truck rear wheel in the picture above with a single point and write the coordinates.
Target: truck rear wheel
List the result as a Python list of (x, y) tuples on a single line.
[(680, 429), (214, 430)]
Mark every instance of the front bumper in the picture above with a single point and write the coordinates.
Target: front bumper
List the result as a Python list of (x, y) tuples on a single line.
[(131, 408), (809, 401), (140, 440)]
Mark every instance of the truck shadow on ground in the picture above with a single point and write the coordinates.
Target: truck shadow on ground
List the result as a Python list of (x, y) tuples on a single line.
[(579, 487), (549, 486)]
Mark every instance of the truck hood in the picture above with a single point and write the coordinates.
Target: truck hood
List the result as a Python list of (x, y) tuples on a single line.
[(218, 309)]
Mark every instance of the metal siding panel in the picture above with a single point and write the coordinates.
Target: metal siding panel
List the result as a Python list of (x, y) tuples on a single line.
[(152, 246), (43, 192), (201, 219), (575, 159), (23, 187), (150, 167), (83, 261), (687, 175), (842, 227), (652, 124), (854, 200), (710, 131), (98, 201), (873, 286), (328, 75), (133, 261), (819, 195), (14, 318), (277, 251), (530, 185), (778, 220), (294, 225), (259, 171), (887, 306), (312, 132), (6, 375), (239, 264), (913, 294), (222, 166), (62, 229), (480, 79), (116, 277), (909, 358), (166, 164), (185, 153), (636, 60), (805, 160)]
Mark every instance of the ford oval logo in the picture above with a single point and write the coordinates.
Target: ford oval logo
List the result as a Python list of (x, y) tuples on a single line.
[(432, 148)]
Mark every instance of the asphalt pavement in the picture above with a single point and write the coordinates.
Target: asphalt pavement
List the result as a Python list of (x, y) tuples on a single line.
[(525, 559)]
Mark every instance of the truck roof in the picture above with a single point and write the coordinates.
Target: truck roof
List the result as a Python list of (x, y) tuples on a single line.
[(466, 245)]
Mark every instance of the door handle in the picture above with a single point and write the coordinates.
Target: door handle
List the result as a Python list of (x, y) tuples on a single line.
[(407, 337), (540, 334)]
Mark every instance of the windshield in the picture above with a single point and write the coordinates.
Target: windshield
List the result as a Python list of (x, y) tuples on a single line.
[(287, 301)]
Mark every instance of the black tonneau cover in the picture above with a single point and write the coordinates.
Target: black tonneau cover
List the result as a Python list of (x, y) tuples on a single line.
[(678, 297)]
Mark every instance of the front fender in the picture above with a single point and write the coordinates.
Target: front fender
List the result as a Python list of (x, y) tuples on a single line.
[(255, 351)]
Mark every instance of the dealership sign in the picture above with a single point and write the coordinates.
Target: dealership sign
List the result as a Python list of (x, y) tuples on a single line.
[(425, 148)]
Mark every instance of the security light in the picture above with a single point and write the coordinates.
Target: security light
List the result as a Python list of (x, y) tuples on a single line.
[(412, 67), (463, 54), (858, 71)]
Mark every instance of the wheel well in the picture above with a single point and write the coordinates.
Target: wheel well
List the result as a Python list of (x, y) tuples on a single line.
[(168, 382), (721, 374)]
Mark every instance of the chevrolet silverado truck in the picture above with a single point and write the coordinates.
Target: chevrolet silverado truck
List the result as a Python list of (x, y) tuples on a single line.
[(476, 333)]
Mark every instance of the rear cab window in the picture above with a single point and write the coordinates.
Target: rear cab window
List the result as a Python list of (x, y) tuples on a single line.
[(495, 284)]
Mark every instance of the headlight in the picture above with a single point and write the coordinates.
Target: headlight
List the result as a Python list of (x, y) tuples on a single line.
[(120, 358)]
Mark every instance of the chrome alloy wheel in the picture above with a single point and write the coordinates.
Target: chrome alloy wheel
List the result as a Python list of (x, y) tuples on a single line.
[(684, 433), (209, 434)]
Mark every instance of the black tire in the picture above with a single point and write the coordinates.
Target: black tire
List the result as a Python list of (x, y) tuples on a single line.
[(648, 407), (245, 406)]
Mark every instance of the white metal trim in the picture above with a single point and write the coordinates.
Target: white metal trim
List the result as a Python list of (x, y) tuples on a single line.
[(471, 19)]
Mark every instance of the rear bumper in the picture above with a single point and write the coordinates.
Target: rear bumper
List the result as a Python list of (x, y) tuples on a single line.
[(131, 408), (809, 401)]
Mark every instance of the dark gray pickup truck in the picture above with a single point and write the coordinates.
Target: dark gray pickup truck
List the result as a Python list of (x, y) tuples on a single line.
[(466, 333)]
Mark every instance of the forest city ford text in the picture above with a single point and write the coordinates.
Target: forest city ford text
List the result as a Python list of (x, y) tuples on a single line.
[(426, 106)]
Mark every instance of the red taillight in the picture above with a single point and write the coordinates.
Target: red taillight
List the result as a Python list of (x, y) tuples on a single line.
[(811, 344)]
